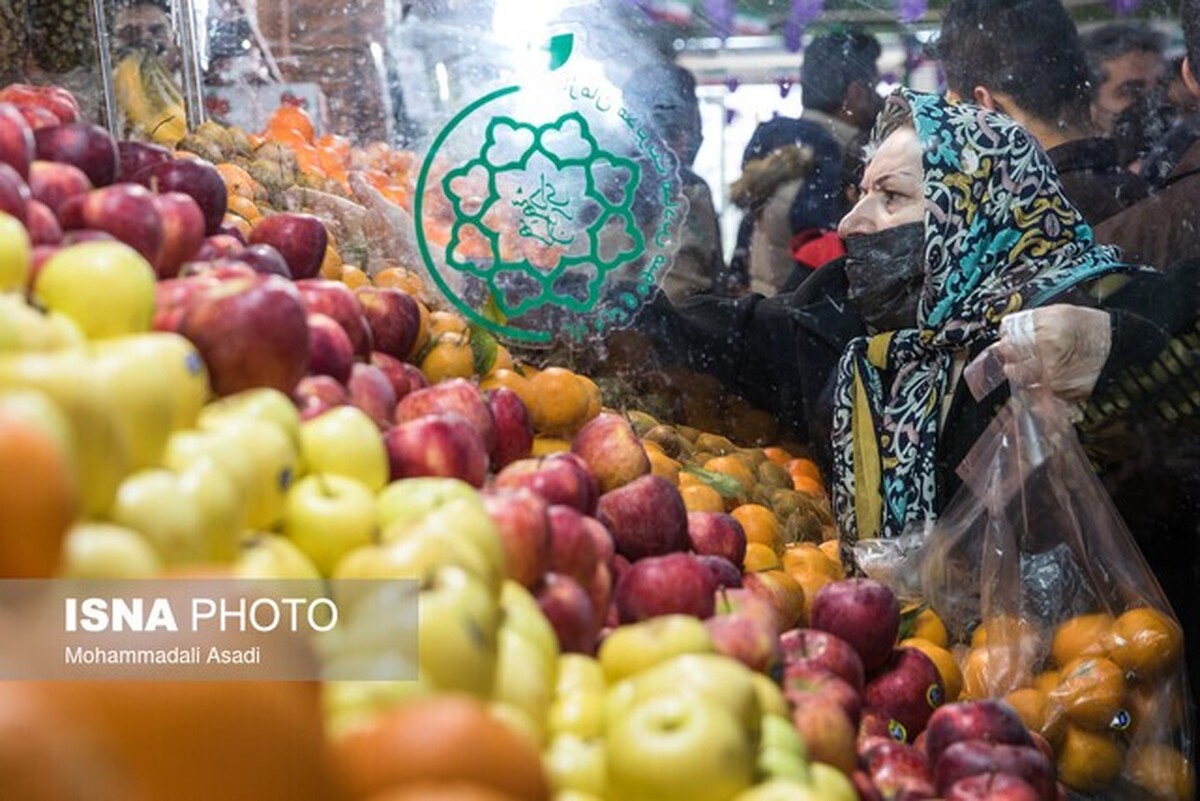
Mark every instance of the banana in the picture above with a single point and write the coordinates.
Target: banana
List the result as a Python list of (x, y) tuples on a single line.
[(149, 98)]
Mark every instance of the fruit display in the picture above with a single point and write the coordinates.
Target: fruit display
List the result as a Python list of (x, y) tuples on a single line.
[(615, 600)]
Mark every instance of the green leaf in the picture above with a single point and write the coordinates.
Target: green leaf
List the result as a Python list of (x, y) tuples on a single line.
[(908, 620), (483, 349), (726, 486), (560, 47)]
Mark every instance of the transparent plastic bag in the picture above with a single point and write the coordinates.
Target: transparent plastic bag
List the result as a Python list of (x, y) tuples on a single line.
[(1053, 606)]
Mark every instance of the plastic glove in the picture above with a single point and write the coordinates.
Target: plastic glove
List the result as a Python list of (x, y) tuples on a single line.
[(1063, 347)]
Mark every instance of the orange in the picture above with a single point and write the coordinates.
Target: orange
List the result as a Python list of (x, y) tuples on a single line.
[(760, 525), (1048, 680), (760, 557), (833, 549), (777, 455), (444, 322), (991, 672), (400, 278), (1146, 642), (1039, 713), (804, 557), (544, 446), (1008, 630), (595, 402), (809, 486), (811, 583), (1090, 691), (928, 626), (1084, 635), (504, 359), (331, 265), (698, 497), (238, 182), (450, 357), (425, 740), (1089, 761), (734, 467), (38, 496), (353, 277), (1162, 771), (943, 660), (664, 466), (245, 208), (558, 402), (442, 791), (291, 118)]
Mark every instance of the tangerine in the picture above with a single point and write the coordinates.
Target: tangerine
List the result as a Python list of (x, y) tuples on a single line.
[(558, 402), (291, 118), (1146, 642), (1089, 761), (1039, 713), (929, 626), (698, 497), (1091, 691), (1161, 771), (943, 660), (807, 558), (1083, 635), (354, 277), (733, 467), (760, 525), (809, 486), (760, 557), (450, 357), (777, 455)]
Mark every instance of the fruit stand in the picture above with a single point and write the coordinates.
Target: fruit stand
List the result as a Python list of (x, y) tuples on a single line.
[(273, 355)]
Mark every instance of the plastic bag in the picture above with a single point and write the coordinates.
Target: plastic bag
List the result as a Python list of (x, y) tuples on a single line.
[(1036, 576)]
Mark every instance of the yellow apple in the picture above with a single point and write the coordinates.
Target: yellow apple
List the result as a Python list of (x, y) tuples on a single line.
[(580, 673), (467, 524), (523, 615), (524, 678), (15, 254), (221, 507), (713, 677), (575, 763), (106, 551), (153, 503), (344, 441), (633, 648), (25, 329), (262, 555), (262, 403), (328, 516), (578, 713), (770, 696), (70, 279)]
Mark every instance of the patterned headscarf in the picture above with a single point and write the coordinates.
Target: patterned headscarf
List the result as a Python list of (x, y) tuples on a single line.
[(999, 236)]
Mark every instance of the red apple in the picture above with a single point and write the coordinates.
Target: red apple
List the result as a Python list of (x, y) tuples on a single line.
[(43, 225), (724, 572), (436, 445), (130, 213), (336, 300), (17, 147), (801, 682), (59, 102), (404, 377), (824, 650), (514, 429), (133, 157), (990, 720), (646, 517), (251, 333), (393, 316), (745, 603), (975, 757), (991, 787), (220, 269), (827, 731), (265, 259), (520, 518), (14, 194), (194, 177), (747, 639), (907, 689), (611, 448), (219, 246), (873, 727), (783, 592), (600, 592), (718, 534), (572, 548), (88, 147), (606, 549), (183, 232), (457, 395), (863, 786), (316, 394), (862, 612), (372, 392), (53, 184), (174, 296), (329, 350), (555, 479), (38, 118), (567, 606), (899, 770), (665, 585), (231, 230), (301, 238)]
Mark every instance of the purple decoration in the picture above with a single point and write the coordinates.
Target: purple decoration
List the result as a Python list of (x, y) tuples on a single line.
[(720, 16), (730, 116), (732, 84), (785, 87), (1123, 8), (911, 10), (802, 13)]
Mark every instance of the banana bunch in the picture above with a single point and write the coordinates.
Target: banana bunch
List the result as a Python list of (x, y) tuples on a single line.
[(149, 99)]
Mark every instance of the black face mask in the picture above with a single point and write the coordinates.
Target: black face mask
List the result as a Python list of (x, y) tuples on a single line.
[(886, 272)]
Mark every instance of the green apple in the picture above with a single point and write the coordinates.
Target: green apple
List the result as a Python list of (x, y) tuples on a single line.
[(15, 254), (409, 499), (262, 555), (467, 525), (524, 677), (457, 638), (70, 279), (221, 505), (635, 647), (678, 745), (775, 763), (580, 673), (344, 441), (781, 789), (575, 763), (106, 551), (262, 403), (155, 504), (830, 784), (779, 733), (716, 678), (257, 455), (523, 615), (415, 557), (24, 328), (328, 516), (577, 713), (770, 696)]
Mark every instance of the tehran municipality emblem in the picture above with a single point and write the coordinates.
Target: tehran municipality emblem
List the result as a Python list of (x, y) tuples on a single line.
[(549, 211)]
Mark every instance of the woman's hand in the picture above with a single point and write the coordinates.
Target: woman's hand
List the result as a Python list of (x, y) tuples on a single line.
[(1062, 346)]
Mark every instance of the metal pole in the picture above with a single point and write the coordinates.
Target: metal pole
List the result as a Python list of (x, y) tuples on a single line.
[(104, 54), (193, 86)]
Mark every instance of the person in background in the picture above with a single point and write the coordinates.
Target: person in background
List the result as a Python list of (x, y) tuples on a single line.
[(1180, 111), (1127, 62), (792, 186), (146, 25), (666, 94), (1024, 58), (1163, 229)]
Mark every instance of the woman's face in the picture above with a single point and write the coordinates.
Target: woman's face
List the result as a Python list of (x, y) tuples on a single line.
[(890, 193)]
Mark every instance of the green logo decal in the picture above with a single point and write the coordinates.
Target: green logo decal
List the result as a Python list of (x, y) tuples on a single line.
[(548, 212)]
